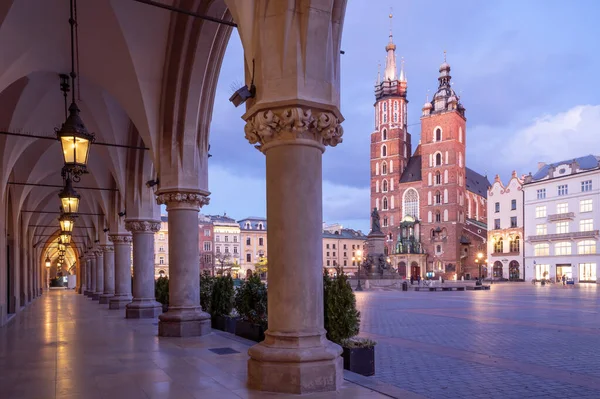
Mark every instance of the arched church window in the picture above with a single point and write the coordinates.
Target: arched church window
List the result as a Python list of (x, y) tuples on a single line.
[(384, 186), (395, 117), (438, 134), (384, 118), (438, 178), (460, 134), (385, 222), (384, 107), (384, 151), (384, 168), (395, 105), (410, 203), (438, 198), (438, 216), (384, 134), (438, 159), (377, 168), (385, 203)]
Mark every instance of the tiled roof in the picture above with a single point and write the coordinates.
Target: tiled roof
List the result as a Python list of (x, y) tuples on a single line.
[(476, 183), (412, 171), (346, 233), (586, 162), (221, 219), (254, 223)]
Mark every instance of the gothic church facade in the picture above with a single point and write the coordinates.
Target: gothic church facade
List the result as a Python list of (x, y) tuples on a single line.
[(432, 207)]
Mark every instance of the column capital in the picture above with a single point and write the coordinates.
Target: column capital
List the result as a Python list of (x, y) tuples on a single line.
[(183, 199), (142, 226), (120, 238), (98, 252), (108, 248), (300, 124)]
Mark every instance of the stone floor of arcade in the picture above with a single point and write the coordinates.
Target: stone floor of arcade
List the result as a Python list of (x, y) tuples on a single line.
[(65, 345)]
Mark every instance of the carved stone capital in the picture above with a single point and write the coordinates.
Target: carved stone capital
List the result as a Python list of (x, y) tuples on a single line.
[(182, 200), (120, 238), (288, 124), (108, 248), (98, 252), (142, 226)]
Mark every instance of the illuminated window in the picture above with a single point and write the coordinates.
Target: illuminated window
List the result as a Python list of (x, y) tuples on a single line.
[(587, 272), (586, 225), (542, 272), (562, 248), (540, 211), (410, 206), (541, 230), (562, 227), (586, 247), (515, 244), (562, 208), (541, 249), (585, 205)]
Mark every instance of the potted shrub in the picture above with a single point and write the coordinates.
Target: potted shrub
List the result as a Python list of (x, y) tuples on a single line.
[(342, 322), (161, 292), (251, 304), (206, 288), (222, 304)]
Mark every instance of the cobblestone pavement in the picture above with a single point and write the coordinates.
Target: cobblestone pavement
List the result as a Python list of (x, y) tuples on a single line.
[(514, 341)]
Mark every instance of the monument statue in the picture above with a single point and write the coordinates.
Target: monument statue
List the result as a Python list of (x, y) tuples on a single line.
[(375, 225)]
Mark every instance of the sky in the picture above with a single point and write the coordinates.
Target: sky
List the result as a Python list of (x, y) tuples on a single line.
[(527, 73)]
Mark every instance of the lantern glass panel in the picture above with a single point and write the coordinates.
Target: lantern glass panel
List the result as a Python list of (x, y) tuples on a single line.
[(70, 204), (75, 150), (66, 225)]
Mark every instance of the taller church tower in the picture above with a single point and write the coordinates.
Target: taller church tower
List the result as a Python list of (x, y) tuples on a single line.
[(390, 141)]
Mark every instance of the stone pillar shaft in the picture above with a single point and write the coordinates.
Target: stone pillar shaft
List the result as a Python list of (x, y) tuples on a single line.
[(82, 276), (92, 275), (88, 274), (109, 274), (99, 260), (122, 297), (185, 316), (144, 303)]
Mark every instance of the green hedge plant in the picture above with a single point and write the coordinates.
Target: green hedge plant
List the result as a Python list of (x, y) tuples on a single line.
[(161, 290), (207, 283), (251, 301), (342, 319), (222, 296)]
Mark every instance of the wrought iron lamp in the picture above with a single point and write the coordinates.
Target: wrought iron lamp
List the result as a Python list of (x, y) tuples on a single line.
[(69, 198), (67, 222)]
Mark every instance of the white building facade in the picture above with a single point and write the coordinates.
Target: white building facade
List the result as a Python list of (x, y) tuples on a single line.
[(505, 245), (227, 246), (562, 218)]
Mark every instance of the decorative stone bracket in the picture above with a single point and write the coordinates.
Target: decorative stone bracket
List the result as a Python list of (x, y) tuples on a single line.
[(142, 226), (293, 123), (182, 200), (120, 239)]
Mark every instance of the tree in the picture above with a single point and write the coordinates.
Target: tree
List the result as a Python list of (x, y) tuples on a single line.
[(224, 261), (207, 261), (261, 266)]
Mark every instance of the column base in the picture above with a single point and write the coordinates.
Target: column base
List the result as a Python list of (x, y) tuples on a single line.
[(295, 364), (96, 296), (187, 322), (86, 292), (143, 309), (105, 298), (119, 302)]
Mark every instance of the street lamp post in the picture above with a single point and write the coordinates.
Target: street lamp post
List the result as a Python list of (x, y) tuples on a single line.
[(358, 259), (479, 262)]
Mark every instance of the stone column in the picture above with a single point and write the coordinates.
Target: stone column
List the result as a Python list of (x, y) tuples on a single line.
[(109, 274), (92, 275), (88, 274), (295, 356), (122, 244), (99, 274), (185, 316), (144, 303), (82, 276)]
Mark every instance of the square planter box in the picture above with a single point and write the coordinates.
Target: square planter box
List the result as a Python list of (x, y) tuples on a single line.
[(360, 360), (250, 331), (224, 323)]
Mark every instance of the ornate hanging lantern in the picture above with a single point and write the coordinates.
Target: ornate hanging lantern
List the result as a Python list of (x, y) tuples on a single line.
[(48, 261), (69, 198), (66, 222), (65, 238)]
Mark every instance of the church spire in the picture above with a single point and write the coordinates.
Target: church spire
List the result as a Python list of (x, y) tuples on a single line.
[(390, 62)]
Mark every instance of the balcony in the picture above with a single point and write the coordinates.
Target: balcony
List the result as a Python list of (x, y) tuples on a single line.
[(561, 216), (566, 236)]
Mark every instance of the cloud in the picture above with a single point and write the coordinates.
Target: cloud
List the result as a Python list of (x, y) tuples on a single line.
[(241, 196), (548, 138)]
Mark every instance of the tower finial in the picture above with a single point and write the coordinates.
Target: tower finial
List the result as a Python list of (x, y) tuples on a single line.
[(391, 17), (444, 55)]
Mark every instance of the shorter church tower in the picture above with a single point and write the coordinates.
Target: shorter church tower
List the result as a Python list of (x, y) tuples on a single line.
[(390, 141), (443, 148)]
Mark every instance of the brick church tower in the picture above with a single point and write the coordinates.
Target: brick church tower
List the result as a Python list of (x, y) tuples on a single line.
[(443, 170), (390, 141)]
